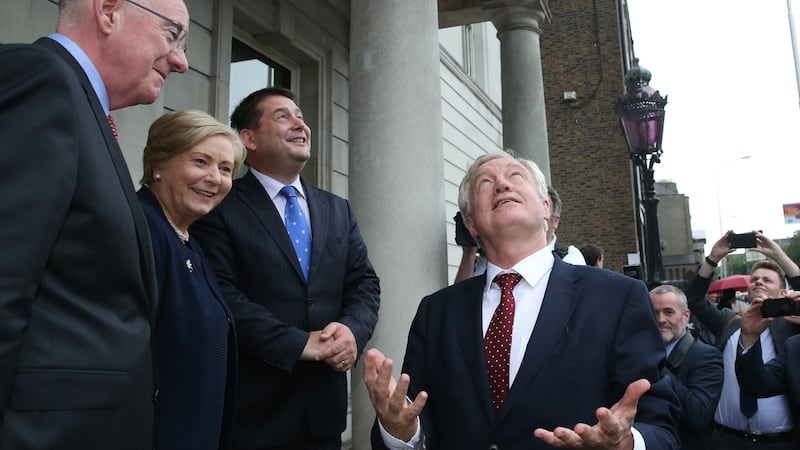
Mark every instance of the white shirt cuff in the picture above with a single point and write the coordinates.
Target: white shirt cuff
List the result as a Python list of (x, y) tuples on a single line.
[(392, 443), (638, 440)]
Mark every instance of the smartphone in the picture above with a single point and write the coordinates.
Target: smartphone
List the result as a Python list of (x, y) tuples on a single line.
[(743, 240), (776, 307)]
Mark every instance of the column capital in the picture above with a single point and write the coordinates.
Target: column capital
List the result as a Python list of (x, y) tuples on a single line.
[(508, 15)]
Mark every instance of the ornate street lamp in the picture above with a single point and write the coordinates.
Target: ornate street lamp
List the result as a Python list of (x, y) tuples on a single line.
[(641, 113)]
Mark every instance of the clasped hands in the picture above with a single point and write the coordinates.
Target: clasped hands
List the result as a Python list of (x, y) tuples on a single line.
[(399, 416), (334, 344)]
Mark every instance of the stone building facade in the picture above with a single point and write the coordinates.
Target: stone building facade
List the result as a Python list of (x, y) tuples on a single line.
[(401, 97)]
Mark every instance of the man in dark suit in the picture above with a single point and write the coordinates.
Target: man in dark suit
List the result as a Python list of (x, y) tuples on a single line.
[(742, 422), (693, 367), (301, 322), (779, 376), (77, 283), (584, 347)]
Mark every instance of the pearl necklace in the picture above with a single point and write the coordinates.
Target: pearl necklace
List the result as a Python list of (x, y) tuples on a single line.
[(184, 237)]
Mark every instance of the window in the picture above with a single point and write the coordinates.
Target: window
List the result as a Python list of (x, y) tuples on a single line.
[(476, 50), (251, 70)]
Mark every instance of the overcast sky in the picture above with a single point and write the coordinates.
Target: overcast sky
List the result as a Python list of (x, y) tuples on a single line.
[(728, 70)]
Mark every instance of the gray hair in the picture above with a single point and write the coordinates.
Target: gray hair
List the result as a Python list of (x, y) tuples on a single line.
[(465, 187), (468, 181), (666, 289)]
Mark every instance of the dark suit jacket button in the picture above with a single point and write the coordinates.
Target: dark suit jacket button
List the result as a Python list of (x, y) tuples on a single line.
[(310, 302), (494, 447), (155, 396)]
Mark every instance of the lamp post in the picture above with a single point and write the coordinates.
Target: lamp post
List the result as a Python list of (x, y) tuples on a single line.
[(641, 113), (794, 44)]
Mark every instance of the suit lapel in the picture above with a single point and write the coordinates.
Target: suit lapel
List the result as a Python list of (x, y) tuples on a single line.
[(732, 324), (252, 194), (781, 330), (123, 176), (560, 299), (319, 210), (469, 328), (678, 354)]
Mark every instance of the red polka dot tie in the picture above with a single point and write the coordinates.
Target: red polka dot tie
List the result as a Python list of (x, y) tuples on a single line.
[(497, 342), (113, 126)]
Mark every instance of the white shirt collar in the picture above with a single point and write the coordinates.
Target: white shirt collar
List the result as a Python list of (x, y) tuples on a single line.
[(88, 67), (273, 186), (532, 268)]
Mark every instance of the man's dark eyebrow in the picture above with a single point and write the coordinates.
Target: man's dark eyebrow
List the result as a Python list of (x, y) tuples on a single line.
[(287, 110)]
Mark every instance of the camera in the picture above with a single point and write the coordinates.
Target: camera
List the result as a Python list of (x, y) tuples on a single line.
[(777, 307), (633, 272), (743, 240)]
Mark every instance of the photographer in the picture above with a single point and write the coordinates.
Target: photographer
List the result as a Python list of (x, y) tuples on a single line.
[(741, 422), (781, 375)]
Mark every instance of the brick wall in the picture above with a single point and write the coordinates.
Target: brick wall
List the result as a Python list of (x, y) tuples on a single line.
[(590, 168)]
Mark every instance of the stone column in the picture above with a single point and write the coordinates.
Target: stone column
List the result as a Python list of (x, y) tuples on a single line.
[(518, 24), (396, 167)]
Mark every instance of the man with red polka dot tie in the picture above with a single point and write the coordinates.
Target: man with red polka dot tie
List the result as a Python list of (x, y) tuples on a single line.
[(497, 342), (534, 354)]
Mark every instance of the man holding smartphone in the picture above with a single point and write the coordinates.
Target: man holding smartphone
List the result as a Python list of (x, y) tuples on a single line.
[(741, 421), (778, 376)]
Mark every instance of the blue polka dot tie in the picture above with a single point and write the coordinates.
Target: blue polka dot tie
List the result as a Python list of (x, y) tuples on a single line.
[(297, 226), (497, 342)]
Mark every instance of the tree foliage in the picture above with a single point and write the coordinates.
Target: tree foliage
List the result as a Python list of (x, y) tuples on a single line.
[(792, 248), (737, 265)]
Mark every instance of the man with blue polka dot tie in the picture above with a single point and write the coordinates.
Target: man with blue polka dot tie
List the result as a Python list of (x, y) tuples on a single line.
[(297, 227), (304, 308)]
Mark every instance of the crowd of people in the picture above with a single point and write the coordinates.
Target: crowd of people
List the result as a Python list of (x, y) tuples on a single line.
[(217, 310)]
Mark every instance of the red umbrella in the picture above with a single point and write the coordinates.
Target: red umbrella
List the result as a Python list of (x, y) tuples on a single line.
[(735, 282)]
